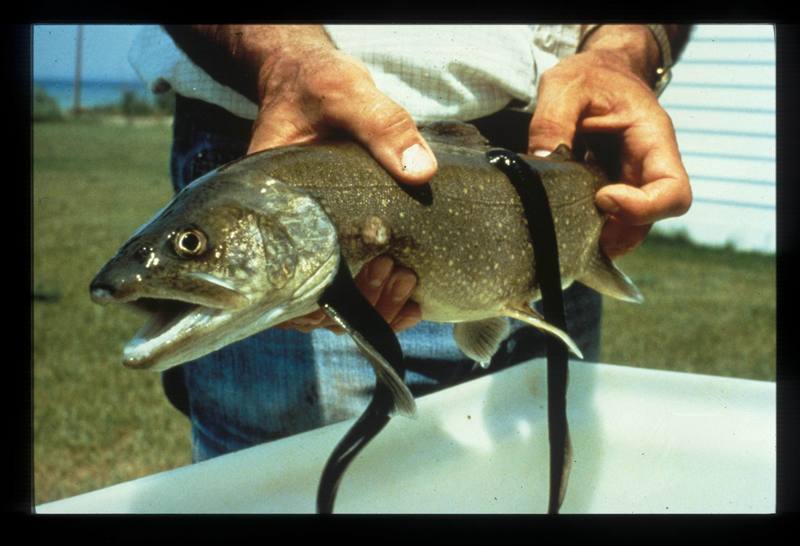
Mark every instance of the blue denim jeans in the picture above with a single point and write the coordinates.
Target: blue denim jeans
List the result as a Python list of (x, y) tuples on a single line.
[(282, 382)]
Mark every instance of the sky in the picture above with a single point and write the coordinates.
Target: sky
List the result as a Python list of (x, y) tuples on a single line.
[(105, 51)]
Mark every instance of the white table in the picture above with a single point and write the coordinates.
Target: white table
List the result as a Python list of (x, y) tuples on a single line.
[(645, 441)]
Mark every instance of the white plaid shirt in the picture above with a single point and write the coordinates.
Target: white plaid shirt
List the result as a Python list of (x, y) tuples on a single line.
[(458, 72)]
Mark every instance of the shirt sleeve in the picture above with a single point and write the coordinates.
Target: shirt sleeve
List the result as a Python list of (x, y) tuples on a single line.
[(164, 67), (440, 72), (557, 40)]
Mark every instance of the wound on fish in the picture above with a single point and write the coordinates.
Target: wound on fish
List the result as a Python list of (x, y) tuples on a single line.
[(375, 232)]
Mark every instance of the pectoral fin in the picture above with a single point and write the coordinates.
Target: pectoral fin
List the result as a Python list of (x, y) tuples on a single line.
[(562, 153), (605, 277), (480, 339), (526, 314), (403, 399)]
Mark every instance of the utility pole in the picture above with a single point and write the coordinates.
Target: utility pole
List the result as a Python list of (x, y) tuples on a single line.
[(76, 106)]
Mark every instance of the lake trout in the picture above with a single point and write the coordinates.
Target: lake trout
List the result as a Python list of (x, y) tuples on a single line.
[(255, 242)]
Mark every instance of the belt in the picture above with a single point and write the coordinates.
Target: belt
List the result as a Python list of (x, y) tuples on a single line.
[(212, 118), (504, 129)]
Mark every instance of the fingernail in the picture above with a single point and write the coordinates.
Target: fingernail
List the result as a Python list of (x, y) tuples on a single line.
[(378, 271), (402, 288), (541, 153), (416, 159), (300, 324), (311, 320), (404, 323)]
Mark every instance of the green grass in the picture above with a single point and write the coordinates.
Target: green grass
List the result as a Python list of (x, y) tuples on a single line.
[(96, 423), (709, 311)]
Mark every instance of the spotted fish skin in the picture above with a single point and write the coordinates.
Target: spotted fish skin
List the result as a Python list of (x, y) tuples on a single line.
[(465, 235), (266, 232)]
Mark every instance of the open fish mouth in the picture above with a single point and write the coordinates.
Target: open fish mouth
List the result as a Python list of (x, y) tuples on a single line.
[(169, 327)]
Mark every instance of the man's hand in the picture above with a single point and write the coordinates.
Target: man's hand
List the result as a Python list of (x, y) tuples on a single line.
[(386, 287), (306, 89), (307, 94), (606, 89)]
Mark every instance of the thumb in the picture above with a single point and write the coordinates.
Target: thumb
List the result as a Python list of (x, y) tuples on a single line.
[(390, 134), (279, 126), (554, 120)]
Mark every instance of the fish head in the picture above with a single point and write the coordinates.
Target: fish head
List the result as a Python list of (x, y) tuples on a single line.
[(228, 256)]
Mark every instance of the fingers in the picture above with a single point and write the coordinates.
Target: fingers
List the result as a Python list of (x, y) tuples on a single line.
[(581, 95), (395, 295), (373, 277), (560, 106), (663, 198), (664, 192), (634, 209), (280, 126), (307, 323), (656, 184), (303, 100), (619, 238), (337, 92), (386, 287), (388, 132)]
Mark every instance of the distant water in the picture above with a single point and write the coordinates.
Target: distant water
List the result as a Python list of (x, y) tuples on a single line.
[(94, 93)]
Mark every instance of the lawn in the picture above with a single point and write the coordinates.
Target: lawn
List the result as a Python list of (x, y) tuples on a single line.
[(95, 423), (709, 311)]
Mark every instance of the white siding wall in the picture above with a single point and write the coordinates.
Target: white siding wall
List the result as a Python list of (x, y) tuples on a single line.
[(722, 103)]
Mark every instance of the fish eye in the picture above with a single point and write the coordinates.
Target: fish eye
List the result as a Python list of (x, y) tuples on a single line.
[(190, 242)]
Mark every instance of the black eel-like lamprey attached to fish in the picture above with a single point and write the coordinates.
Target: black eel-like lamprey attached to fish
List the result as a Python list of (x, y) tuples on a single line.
[(256, 242)]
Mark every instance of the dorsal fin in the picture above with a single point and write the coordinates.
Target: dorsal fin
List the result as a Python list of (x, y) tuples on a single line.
[(454, 132), (562, 153)]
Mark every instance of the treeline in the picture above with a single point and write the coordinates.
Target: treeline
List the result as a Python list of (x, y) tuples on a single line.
[(130, 105)]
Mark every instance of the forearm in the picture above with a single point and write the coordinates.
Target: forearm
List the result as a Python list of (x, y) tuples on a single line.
[(635, 46), (242, 56)]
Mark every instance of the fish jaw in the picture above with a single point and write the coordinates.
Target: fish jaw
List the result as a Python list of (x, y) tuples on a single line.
[(165, 339), (177, 330), (173, 317), (269, 251), (190, 335)]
